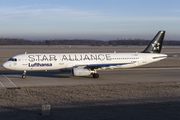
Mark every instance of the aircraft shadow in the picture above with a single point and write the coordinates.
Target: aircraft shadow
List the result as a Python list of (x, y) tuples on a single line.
[(52, 74)]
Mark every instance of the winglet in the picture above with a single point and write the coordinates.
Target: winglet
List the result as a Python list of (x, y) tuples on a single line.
[(156, 44)]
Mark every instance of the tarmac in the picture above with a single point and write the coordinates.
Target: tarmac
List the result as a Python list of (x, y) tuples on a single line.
[(165, 70), (57, 78), (148, 92)]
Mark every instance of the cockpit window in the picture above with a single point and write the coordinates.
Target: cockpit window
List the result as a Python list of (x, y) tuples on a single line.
[(12, 59)]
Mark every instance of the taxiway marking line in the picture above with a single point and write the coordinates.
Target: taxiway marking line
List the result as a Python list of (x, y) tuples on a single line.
[(9, 80), (1, 84)]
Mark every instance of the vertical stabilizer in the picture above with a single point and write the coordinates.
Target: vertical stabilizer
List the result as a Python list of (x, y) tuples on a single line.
[(156, 44)]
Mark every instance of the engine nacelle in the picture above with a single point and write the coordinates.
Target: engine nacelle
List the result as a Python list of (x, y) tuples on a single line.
[(81, 72)]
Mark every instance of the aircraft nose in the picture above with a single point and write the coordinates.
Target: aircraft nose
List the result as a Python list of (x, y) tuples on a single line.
[(5, 65)]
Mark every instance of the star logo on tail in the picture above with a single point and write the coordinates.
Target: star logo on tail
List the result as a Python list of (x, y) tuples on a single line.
[(156, 45)]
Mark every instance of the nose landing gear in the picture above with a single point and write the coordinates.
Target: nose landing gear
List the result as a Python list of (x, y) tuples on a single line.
[(24, 75)]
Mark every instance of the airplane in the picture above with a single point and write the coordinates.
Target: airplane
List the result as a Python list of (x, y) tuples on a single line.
[(86, 64)]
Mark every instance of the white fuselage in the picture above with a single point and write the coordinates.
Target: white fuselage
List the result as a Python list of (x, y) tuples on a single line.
[(56, 61)]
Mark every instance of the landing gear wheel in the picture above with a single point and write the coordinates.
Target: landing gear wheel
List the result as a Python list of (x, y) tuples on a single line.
[(23, 76), (95, 75)]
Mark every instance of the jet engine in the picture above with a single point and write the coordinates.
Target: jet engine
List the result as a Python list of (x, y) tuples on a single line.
[(81, 72)]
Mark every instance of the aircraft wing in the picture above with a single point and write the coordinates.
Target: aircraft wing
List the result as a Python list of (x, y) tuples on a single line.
[(96, 66)]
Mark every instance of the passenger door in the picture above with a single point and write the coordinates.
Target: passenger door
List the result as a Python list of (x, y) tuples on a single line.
[(144, 59), (24, 60)]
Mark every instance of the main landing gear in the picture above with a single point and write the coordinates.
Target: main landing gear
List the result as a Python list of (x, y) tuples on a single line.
[(95, 75), (24, 75)]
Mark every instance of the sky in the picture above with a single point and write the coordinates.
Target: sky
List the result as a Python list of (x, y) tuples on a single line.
[(89, 19)]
